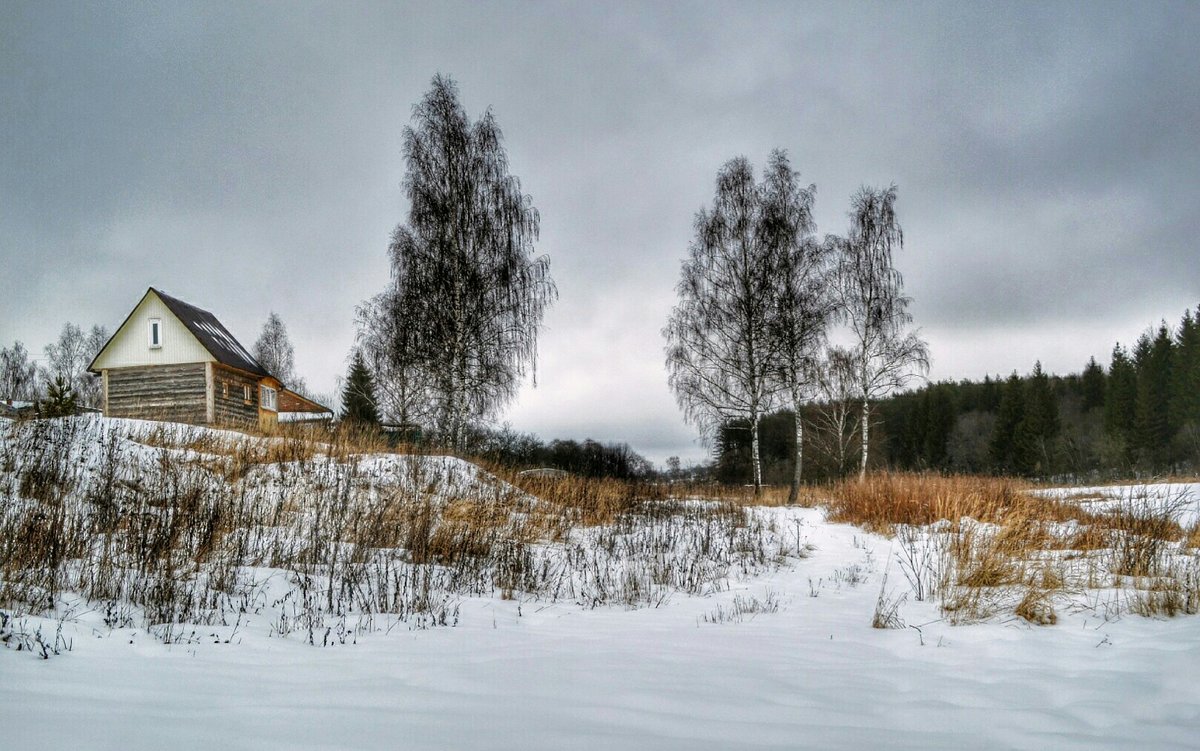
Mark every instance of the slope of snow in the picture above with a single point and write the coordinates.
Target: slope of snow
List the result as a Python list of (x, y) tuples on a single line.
[(530, 676), (775, 654)]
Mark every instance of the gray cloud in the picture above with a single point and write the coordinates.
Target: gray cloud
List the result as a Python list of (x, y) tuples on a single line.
[(248, 159)]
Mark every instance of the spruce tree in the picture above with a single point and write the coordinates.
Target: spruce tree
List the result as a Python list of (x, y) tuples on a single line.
[(358, 397), (939, 424), (60, 399), (1033, 445), (1154, 423), (1120, 395), (1185, 402), (1092, 386), (1008, 419)]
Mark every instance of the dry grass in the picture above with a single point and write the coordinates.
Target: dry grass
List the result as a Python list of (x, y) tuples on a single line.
[(163, 525), (883, 500), (983, 547)]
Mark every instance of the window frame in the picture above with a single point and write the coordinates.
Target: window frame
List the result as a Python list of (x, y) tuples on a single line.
[(154, 332), (268, 397)]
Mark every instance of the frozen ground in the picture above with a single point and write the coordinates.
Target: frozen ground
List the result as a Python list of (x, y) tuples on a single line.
[(1183, 499), (813, 674)]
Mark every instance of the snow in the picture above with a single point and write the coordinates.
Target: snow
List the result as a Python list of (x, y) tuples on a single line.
[(1181, 499), (519, 675), (529, 674)]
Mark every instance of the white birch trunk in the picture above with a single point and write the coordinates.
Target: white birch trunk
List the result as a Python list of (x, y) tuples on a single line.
[(866, 436), (797, 473), (755, 454)]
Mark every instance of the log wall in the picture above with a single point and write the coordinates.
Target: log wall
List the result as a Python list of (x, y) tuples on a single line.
[(230, 406), (159, 392)]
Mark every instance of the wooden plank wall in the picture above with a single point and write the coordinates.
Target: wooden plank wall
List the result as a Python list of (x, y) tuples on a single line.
[(158, 392), (229, 403)]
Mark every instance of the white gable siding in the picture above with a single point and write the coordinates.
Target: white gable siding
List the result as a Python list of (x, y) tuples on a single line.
[(130, 346)]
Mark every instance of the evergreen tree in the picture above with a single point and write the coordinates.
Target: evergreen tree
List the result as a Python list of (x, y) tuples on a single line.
[(1154, 426), (60, 399), (940, 417), (1039, 426), (1091, 386), (1185, 402), (358, 397), (1120, 395), (1008, 418)]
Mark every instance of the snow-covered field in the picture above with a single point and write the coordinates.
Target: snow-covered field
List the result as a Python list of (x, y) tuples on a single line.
[(1181, 498), (782, 656)]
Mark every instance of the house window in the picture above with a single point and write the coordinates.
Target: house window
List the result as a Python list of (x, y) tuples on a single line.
[(246, 393), (155, 333), (225, 389), (268, 398)]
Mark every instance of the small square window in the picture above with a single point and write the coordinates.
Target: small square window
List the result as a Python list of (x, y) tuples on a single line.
[(155, 333), (268, 398)]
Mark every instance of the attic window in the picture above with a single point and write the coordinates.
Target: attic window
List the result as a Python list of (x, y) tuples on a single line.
[(155, 333), (268, 398)]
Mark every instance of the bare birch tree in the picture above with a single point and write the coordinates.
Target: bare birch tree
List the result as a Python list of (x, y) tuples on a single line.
[(802, 300), (68, 359), (836, 413), (274, 351), (468, 291), (718, 352), (886, 354), (402, 392), (18, 374)]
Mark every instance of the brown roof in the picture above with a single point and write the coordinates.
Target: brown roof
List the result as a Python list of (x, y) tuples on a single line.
[(213, 336)]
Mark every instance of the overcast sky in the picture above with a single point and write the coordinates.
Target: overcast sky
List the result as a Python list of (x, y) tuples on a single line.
[(247, 158)]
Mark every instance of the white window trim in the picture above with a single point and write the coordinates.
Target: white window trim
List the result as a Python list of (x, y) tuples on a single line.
[(268, 398), (154, 322)]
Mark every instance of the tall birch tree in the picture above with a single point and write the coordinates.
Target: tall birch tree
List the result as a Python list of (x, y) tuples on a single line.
[(718, 352), (886, 353), (802, 299), (468, 290)]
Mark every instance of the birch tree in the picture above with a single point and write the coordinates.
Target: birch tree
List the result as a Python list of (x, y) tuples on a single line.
[(468, 290), (402, 387), (886, 353), (18, 374), (802, 300), (837, 412), (68, 358), (718, 352), (274, 351)]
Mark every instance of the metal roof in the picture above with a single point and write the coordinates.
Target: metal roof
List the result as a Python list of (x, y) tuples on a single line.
[(212, 335)]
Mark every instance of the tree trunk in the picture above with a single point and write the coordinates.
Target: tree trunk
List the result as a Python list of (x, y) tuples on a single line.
[(755, 455), (866, 436), (794, 493)]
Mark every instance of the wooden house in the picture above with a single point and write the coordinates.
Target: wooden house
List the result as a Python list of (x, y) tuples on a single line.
[(173, 361)]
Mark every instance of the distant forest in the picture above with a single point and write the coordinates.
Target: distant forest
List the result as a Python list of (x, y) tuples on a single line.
[(1138, 417)]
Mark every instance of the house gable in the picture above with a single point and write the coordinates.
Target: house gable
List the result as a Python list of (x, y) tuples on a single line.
[(130, 346)]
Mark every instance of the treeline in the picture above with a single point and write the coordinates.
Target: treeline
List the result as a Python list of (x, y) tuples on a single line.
[(588, 458), (1140, 416)]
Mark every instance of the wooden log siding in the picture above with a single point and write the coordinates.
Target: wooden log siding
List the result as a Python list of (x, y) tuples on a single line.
[(229, 403), (160, 392)]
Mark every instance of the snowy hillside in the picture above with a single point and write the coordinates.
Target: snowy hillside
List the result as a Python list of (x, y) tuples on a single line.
[(214, 590)]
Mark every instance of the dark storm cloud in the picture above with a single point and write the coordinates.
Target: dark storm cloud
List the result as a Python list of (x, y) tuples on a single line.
[(248, 159)]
